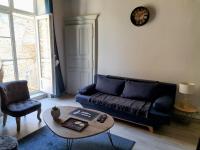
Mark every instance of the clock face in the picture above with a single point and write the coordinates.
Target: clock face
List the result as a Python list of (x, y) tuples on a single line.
[(140, 16)]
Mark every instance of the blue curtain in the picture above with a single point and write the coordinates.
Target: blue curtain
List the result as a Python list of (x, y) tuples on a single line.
[(45, 7)]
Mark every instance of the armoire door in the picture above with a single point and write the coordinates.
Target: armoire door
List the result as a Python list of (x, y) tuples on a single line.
[(79, 56)]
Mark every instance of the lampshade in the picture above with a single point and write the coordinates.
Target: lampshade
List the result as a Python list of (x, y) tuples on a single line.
[(187, 88)]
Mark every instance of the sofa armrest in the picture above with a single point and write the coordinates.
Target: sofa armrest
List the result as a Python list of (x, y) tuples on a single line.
[(88, 90), (163, 104)]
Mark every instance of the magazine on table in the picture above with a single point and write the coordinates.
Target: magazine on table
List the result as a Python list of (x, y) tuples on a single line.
[(84, 114)]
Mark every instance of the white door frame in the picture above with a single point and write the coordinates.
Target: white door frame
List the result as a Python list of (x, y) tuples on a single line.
[(87, 19)]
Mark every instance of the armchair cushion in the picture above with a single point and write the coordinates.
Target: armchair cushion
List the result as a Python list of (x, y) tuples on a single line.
[(22, 108), (109, 86), (88, 90), (163, 104)]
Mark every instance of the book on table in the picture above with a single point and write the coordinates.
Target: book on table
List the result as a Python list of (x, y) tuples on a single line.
[(84, 114)]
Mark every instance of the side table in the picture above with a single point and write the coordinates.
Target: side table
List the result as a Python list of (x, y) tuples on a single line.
[(186, 110)]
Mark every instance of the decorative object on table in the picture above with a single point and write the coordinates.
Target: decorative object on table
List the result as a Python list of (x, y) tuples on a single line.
[(51, 142), (8, 143), (84, 114), (75, 124), (18, 102), (187, 89), (140, 16), (102, 118), (1, 71), (55, 112)]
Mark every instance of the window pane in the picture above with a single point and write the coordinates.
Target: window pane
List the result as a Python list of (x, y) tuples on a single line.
[(5, 49), (25, 36), (4, 25), (24, 27), (8, 70), (44, 39), (4, 2), (26, 5), (44, 48), (28, 70), (46, 68)]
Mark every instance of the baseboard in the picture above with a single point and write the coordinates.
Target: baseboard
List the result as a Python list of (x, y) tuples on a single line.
[(39, 95)]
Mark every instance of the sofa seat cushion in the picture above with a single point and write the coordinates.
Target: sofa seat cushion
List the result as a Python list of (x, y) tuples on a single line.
[(135, 107), (23, 108), (139, 90), (109, 86)]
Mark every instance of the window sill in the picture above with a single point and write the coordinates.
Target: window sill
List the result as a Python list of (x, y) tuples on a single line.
[(38, 95)]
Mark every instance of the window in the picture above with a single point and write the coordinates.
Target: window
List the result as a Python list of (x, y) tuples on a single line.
[(46, 59), (4, 2), (24, 29), (26, 45), (6, 47), (18, 42), (29, 5)]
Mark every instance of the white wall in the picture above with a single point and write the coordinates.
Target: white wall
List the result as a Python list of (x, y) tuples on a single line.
[(167, 48)]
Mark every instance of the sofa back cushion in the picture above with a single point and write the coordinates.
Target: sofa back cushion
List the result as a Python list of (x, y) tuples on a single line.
[(139, 90), (109, 86)]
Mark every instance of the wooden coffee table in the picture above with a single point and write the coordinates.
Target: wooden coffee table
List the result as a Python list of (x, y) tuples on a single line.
[(93, 128)]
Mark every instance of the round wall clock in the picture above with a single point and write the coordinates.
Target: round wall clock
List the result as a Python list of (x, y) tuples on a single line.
[(140, 16)]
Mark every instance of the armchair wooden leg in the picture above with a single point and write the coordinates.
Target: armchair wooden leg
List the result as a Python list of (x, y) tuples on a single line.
[(4, 119), (18, 123), (38, 114)]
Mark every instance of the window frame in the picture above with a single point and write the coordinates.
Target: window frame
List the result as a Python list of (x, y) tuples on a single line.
[(10, 10)]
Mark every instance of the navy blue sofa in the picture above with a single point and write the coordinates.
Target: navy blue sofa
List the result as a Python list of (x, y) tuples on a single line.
[(144, 102)]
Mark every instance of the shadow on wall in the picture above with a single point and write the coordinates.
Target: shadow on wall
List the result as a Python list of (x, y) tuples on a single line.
[(77, 8), (152, 11)]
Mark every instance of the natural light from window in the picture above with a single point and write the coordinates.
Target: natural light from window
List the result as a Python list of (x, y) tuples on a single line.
[(18, 42), (26, 5), (4, 2)]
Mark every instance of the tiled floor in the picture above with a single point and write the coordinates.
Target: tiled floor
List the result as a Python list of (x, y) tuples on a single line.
[(173, 137)]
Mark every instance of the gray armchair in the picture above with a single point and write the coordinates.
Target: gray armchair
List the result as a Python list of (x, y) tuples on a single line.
[(16, 102)]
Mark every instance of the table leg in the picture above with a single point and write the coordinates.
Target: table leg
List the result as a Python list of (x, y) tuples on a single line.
[(111, 141), (69, 144)]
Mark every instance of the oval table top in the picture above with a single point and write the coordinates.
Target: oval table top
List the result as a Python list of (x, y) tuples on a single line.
[(92, 129)]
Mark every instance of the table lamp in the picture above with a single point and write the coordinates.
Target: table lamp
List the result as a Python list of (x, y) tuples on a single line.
[(186, 89)]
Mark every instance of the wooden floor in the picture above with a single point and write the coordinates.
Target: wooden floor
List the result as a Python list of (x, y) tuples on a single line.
[(173, 137)]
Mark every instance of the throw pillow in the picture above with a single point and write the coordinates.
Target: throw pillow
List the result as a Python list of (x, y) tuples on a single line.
[(109, 86), (139, 90)]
